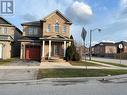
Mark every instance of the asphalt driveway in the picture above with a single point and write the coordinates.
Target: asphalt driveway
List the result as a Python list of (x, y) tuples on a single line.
[(19, 74), (18, 62)]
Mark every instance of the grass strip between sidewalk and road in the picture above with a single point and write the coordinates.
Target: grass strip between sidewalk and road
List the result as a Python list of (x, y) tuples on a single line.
[(66, 73), (83, 63), (114, 64)]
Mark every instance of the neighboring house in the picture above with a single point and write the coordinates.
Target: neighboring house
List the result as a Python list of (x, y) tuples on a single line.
[(124, 49), (47, 38), (9, 34), (105, 49)]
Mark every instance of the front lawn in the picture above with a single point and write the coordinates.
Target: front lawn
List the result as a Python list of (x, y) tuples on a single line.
[(83, 63), (7, 61), (64, 73)]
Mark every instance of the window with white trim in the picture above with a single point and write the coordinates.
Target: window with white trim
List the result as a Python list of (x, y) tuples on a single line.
[(3, 30), (64, 28), (33, 31), (49, 28), (56, 27)]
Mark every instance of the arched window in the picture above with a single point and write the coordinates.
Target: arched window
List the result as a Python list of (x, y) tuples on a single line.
[(56, 27)]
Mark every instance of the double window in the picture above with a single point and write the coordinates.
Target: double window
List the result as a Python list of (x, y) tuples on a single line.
[(3, 30), (33, 31), (56, 27)]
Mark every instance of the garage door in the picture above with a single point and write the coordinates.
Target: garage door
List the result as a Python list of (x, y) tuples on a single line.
[(1, 51), (33, 52)]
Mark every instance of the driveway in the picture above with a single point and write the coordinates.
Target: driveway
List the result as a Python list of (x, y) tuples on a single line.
[(19, 74), (18, 62)]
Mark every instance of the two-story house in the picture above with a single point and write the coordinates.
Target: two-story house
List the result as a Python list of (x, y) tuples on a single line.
[(105, 49), (47, 38), (9, 34)]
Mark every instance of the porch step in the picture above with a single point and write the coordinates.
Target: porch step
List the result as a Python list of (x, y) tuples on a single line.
[(56, 60)]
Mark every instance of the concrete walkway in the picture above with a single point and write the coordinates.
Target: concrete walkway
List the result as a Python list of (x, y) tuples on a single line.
[(117, 61), (103, 64)]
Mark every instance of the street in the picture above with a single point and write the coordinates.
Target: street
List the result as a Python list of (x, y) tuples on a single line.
[(66, 87)]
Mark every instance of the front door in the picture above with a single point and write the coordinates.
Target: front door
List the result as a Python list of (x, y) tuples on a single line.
[(1, 51), (56, 50)]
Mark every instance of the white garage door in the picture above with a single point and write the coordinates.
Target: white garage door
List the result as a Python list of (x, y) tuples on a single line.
[(1, 51)]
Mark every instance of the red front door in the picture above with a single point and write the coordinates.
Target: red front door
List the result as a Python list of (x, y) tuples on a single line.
[(32, 52)]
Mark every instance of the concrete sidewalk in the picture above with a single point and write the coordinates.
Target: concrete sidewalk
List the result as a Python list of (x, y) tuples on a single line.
[(52, 65), (103, 64)]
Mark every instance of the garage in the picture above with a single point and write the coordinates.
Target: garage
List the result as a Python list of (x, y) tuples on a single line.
[(1, 51), (32, 52)]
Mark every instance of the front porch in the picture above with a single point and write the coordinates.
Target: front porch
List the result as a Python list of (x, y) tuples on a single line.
[(49, 48), (53, 50)]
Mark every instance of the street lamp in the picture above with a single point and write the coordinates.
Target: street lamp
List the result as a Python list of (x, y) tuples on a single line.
[(90, 49)]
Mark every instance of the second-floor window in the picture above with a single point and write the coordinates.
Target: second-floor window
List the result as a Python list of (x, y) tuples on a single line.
[(64, 28), (33, 31), (49, 28), (56, 27), (3, 30)]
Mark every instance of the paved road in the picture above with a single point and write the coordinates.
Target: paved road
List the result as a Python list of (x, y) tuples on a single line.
[(110, 60), (66, 87)]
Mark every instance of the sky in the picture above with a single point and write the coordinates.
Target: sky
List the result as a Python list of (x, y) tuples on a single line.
[(108, 15)]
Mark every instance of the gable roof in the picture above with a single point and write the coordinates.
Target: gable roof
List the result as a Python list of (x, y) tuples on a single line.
[(122, 42), (59, 13), (105, 44), (4, 22)]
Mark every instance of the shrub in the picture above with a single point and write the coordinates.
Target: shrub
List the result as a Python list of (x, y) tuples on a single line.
[(71, 53)]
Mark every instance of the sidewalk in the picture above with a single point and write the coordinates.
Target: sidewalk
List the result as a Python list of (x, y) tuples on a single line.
[(65, 65), (107, 65)]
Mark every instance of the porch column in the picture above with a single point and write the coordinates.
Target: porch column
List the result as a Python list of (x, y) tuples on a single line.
[(43, 49), (69, 43), (21, 52), (49, 49), (64, 48)]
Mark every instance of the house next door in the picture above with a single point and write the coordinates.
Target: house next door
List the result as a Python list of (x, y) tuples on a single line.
[(1, 51)]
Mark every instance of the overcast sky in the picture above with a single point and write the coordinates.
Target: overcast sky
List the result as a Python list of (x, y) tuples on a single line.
[(109, 15)]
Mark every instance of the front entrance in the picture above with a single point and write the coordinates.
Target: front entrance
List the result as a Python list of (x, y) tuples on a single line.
[(32, 52), (56, 49), (1, 51)]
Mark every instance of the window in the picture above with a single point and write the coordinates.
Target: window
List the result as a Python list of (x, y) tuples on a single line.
[(33, 31), (64, 28), (49, 28), (3, 30), (30, 32), (56, 27)]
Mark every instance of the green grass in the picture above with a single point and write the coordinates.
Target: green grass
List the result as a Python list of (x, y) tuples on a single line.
[(7, 61), (83, 63), (64, 73), (115, 64)]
